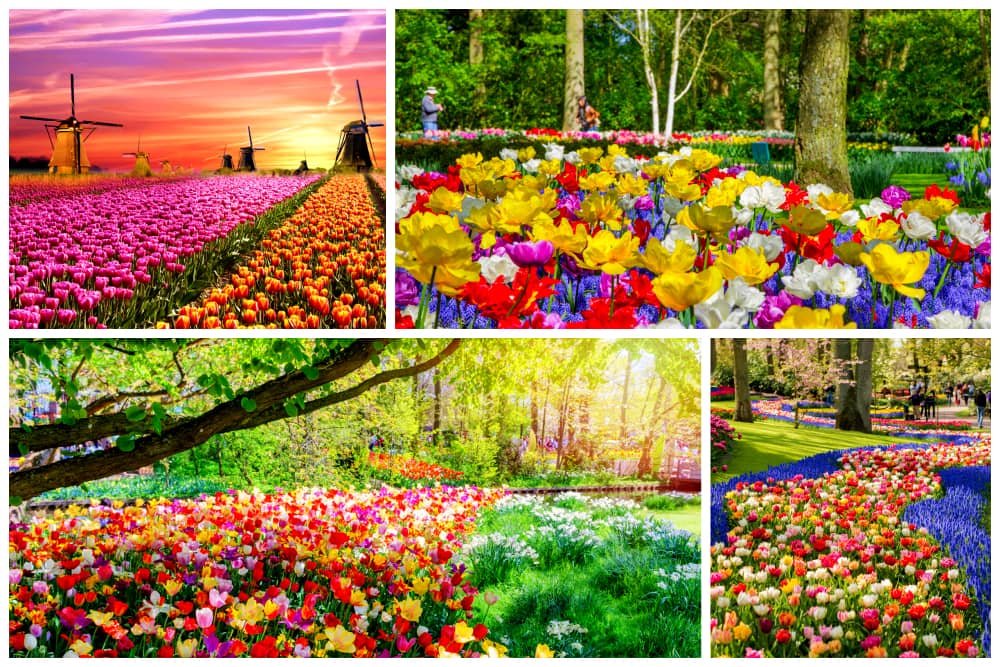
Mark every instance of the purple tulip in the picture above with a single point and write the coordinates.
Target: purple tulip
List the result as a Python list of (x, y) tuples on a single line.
[(895, 195), (528, 253), (774, 308)]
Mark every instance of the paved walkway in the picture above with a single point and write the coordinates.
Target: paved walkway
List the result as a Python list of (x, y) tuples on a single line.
[(952, 413)]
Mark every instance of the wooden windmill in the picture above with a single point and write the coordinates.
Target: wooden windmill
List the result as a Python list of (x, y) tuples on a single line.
[(246, 154), (68, 153), (142, 167), (227, 159), (303, 166), (355, 140)]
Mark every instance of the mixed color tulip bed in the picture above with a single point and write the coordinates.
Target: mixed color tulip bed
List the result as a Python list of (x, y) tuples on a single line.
[(588, 239), (120, 252), (874, 552), (309, 573)]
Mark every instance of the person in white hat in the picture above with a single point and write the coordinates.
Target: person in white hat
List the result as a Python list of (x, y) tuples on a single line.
[(429, 112)]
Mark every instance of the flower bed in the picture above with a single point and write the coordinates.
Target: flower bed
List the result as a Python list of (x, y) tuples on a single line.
[(412, 469), (593, 240), (819, 558), (723, 438), (323, 268), (310, 573), (101, 257), (723, 393)]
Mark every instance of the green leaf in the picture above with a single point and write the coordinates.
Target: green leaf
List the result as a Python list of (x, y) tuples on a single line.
[(376, 361), (135, 413), (311, 373), (15, 500), (291, 409), (23, 448), (126, 443), (248, 404)]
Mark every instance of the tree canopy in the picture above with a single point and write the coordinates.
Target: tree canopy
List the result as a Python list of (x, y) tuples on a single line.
[(924, 72)]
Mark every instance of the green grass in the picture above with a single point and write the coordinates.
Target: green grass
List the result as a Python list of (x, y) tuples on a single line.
[(686, 518), (766, 443)]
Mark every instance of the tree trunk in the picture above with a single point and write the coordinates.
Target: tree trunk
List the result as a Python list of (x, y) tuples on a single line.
[(573, 87), (854, 391), (436, 423), (622, 430), (774, 113), (675, 65), (181, 435), (741, 378), (713, 355), (476, 53), (821, 124)]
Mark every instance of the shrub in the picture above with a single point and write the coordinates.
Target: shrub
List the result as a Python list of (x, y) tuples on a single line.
[(723, 438)]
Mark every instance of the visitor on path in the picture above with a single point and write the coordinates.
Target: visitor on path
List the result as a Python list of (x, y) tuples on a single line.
[(429, 110), (970, 391), (957, 397), (981, 403), (588, 117), (916, 400), (930, 403)]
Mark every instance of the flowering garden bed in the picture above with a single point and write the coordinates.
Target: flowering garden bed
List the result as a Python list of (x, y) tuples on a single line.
[(589, 239), (863, 552)]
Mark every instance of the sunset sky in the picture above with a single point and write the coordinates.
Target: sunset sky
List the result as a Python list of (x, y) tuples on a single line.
[(191, 82)]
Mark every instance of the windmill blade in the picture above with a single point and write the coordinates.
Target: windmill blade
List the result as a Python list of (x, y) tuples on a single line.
[(50, 120), (72, 96), (99, 122), (376, 124), (361, 102), (250, 136), (130, 155)]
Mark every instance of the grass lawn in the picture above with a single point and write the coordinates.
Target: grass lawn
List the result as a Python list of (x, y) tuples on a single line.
[(767, 443), (916, 183), (686, 518)]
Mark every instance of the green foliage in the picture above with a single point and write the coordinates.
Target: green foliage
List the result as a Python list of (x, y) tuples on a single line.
[(133, 487), (870, 177), (670, 501)]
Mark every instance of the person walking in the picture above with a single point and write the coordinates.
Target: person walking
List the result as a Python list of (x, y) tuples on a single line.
[(970, 391), (429, 110), (981, 403)]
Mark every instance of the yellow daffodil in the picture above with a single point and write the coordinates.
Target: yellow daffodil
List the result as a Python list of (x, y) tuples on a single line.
[(800, 317), (590, 155), (680, 291), (602, 209), (469, 160), (899, 269), (432, 244), (561, 235), (747, 263), (660, 260), (611, 255), (443, 200), (873, 229), (410, 609), (340, 639)]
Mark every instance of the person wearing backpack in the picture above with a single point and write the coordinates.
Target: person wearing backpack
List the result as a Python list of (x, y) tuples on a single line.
[(981, 403)]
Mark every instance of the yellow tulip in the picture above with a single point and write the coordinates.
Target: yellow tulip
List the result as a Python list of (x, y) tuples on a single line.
[(543, 651), (660, 260), (899, 269), (680, 291), (502, 167), (747, 263), (800, 317), (715, 222), (835, 203), (469, 160), (590, 155), (550, 167), (410, 609), (561, 235), (611, 255), (704, 160), (340, 639), (804, 220), (873, 229), (603, 209), (429, 243), (599, 181), (443, 200), (526, 154), (607, 163), (632, 185), (463, 633), (929, 208), (742, 632)]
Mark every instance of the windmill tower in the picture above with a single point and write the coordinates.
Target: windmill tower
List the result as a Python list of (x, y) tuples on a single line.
[(246, 155), (141, 168), (68, 153), (227, 159), (303, 166), (355, 139)]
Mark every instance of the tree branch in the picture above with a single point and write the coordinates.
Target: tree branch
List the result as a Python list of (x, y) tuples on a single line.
[(187, 433)]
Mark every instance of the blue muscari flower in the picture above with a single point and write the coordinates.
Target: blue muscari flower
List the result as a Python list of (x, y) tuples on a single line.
[(950, 166), (984, 177), (958, 180)]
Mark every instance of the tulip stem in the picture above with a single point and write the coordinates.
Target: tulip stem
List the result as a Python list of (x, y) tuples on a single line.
[(437, 310), (425, 295), (944, 274)]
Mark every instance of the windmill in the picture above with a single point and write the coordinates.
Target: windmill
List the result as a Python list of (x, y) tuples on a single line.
[(141, 167), (68, 154), (355, 139), (227, 159), (246, 154), (166, 168), (303, 166)]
